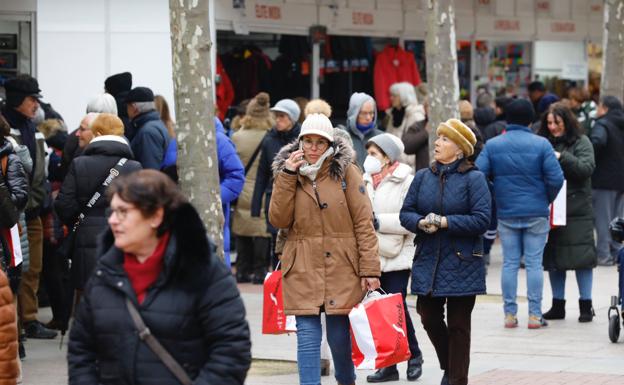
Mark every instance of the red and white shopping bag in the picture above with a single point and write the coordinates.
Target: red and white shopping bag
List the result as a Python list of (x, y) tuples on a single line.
[(274, 321), (12, 238), (379, 332), (558, 209)]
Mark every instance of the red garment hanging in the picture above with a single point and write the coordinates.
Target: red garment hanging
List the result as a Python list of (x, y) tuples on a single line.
[(225, 90), (393, 65)]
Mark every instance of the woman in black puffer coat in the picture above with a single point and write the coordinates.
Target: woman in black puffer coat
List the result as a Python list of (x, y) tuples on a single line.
[(85, 176), (156, 255)]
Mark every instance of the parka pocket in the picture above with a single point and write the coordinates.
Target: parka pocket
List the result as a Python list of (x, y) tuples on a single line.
[(289, 256), (469, 251)]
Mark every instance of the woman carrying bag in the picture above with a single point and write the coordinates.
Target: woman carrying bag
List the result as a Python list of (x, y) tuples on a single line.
[(448, 206), (387, 181), (571, 247), (330, 257)]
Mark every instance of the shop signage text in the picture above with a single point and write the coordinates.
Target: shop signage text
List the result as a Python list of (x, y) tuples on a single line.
[(506, 25), (562, 26), (271, 12), (362, 18), (543, 5)]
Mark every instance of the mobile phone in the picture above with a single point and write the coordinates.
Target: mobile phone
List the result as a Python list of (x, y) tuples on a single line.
[(301, 149)]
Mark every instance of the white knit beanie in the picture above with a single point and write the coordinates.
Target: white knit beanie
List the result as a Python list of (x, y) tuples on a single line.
[(317, 124)]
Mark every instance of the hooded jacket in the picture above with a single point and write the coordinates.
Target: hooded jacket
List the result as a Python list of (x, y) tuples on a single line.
[(85, 176), (231, 180), (273, 142), (359, 139), (13, 186), (150, 141), (22, 127), (448, 262), (525, 172), (194, 309), (331, 241), (607, 136), (396, 243)]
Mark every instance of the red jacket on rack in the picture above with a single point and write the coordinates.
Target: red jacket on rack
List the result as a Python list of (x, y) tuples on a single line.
[(225, 91), (393, 65)]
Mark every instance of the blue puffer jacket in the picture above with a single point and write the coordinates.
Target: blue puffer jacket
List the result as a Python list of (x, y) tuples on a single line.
[(231, 178), (448, 262), (525, 171)]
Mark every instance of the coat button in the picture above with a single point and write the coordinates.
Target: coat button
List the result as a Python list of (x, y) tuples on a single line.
[(99, 273), (327, 254), (119, 284), (332, 302)]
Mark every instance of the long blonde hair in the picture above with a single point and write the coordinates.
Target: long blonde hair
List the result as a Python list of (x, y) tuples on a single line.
[(163, 109)]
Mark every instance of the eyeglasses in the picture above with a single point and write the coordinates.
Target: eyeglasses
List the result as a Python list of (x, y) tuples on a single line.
[(121, 212), (367, 113), (320, 144)]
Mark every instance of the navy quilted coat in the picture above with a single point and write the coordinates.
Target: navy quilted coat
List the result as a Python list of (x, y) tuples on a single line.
[(449, 262)]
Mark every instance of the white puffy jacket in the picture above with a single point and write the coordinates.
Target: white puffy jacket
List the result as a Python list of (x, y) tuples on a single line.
[(396, 244)]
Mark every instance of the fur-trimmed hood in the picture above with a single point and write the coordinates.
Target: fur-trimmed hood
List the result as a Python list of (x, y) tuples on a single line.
[(343, 156)]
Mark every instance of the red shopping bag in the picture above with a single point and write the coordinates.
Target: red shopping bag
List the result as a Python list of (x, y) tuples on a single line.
[(274, 321), (379, 332)]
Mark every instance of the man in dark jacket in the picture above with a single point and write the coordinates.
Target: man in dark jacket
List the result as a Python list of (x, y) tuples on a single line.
[(527, 178), (119, 85), (607, 136), (286, 129), (22, 103), (151, 139)]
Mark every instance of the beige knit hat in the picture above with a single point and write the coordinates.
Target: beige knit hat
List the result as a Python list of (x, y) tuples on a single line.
[(258, 107), (460, 134), (317, 124)]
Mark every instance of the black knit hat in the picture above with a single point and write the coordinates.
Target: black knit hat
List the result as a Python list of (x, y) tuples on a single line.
[(18, 88), (520, 111), (118, 83), (140, 94)]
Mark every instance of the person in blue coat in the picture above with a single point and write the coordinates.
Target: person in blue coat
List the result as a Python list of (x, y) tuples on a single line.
[(448, 206), (527, 178), (232, 179)]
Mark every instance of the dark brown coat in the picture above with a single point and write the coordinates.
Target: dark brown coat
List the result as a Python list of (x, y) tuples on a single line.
[(331, 241), (9, 369), (416, 141)]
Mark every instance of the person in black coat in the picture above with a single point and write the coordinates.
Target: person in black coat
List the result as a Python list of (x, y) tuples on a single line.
[(157, 257), (286, 130), (85, 176)]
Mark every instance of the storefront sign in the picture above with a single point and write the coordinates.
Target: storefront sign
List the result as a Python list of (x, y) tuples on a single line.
[(270, 12), (362, 18), (542, 5), (563, 26), (574, 70), (506, 25)]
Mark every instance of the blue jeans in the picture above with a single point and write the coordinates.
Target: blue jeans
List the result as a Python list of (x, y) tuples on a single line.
[(584, 279), (523, 237), (309, 335)]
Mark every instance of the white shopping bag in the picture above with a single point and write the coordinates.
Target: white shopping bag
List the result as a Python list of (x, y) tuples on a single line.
[(558, 209)]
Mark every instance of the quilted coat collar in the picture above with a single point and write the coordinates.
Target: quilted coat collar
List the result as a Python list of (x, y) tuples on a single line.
[(461, 166), (343, 156)]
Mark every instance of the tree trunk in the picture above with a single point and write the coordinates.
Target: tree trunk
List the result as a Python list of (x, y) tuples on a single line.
[(198, 166), (612, 82), (441, 51)]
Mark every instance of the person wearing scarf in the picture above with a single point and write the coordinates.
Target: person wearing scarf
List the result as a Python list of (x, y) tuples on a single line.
[(387, 181)]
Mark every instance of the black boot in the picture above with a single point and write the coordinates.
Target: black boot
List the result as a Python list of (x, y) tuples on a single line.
[(389, 373), (414, 368), (557, 311), (586, 310)]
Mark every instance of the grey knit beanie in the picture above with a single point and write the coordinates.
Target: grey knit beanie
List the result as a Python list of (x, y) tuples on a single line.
[(391, 145), (288, 107)]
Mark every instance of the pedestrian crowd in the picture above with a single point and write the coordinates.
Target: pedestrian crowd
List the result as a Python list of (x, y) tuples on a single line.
[(93, 224)]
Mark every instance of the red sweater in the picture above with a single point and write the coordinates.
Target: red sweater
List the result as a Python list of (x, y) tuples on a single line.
[(143, 275), (393, 65)]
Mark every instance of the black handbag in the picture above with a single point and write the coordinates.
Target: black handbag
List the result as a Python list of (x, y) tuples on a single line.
[(67, 247)]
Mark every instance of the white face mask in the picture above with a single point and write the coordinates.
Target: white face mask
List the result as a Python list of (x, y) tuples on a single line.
[(372, 165)]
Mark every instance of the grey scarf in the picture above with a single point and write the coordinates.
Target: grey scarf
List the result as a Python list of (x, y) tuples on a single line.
[(311, 170)]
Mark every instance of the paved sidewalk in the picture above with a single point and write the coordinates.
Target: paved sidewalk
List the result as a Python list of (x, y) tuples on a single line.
[(566, 352)]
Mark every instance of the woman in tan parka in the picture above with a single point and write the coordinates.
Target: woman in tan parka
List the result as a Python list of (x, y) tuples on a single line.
[(253, 242), (330, 258), (9, 368)]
